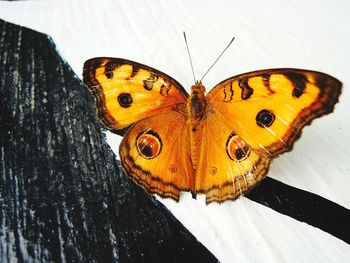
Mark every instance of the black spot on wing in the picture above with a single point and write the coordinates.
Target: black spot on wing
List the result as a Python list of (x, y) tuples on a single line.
[(135, 69), (148, 83), (266, 80), (299, 83), (247, 91), (109, 68), (125, 100), (228, 93), (164, 89), (265, 118)]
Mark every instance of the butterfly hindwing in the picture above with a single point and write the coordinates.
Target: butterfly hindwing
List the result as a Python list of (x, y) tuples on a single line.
[(268, 108), (127, 92), (227, 166), (155, 152)]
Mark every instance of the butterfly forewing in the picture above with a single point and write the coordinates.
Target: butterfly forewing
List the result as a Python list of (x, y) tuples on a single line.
[(127, 92), (268, 108)]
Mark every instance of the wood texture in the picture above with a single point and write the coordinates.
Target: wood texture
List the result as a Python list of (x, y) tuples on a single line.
[(63, 195)]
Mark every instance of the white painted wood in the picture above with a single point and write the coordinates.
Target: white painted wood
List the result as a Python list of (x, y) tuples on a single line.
[(303, 34)]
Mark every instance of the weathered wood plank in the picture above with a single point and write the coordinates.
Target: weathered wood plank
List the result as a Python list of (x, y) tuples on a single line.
[(63, 195)]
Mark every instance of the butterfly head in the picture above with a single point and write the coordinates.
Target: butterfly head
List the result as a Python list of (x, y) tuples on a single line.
[(198, 89)]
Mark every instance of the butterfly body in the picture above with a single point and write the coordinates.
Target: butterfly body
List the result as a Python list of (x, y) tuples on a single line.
[(196, 111), (219, 144)]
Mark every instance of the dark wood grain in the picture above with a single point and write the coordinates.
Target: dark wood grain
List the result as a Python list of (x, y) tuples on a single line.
[(304, 207), (63, 195)]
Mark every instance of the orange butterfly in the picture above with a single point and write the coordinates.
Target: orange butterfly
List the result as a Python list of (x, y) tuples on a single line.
[(220, 144)]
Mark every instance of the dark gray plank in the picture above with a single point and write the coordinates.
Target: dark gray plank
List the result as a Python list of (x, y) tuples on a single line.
[(63, 195), (303, 206)]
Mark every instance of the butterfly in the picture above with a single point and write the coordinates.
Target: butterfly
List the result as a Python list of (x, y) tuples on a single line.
[(219, 144)]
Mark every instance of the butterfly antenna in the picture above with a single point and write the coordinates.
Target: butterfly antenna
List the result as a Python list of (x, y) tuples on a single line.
[(189, 56), (217, 58)]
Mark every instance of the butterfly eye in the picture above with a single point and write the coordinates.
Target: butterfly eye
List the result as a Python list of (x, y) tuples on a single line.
[(265, 118), (125, 100), (236, 148), (149, 144)]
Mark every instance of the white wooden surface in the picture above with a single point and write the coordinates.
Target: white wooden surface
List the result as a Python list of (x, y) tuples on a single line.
[(303, 34)]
